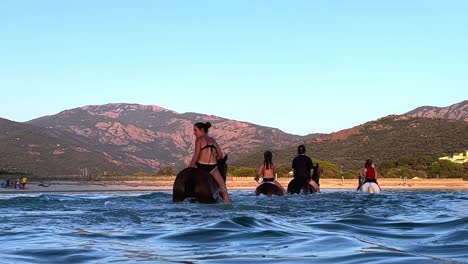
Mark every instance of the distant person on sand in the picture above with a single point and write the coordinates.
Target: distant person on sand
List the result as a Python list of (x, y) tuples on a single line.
[(268, 170), (23, 182), (303, 167), (207, 153), (8, 183)]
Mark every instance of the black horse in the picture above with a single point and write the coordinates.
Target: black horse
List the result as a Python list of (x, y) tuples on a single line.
[(296, 186), (198, 185), (317, 173), (268, 188)]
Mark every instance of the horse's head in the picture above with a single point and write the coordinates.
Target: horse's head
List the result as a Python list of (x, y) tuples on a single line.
[(317, 170), (223, 167)]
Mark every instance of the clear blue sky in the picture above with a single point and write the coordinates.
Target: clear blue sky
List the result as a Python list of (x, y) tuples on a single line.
[(301, 66)]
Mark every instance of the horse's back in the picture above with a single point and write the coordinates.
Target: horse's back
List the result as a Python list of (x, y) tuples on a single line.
[(196, 184), (268, 188), (370, 187), (296, 186)]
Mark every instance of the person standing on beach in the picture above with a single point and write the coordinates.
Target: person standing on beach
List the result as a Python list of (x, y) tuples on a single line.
[(23, 182), (303, 168), (207, 153)]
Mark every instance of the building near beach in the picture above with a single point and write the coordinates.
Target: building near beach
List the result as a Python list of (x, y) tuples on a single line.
[(457, 158)]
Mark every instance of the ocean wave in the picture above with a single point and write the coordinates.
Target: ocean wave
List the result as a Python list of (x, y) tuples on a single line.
[(333, 227)]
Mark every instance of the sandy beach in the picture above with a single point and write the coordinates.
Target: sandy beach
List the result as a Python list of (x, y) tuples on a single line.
[(232, 183), (384, 183), (68, 187)]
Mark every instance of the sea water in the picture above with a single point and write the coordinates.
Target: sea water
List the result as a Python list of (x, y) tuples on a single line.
[(330, 227)]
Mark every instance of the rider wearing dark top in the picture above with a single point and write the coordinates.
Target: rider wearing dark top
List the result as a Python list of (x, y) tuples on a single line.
[(303, 170), (302, 164)]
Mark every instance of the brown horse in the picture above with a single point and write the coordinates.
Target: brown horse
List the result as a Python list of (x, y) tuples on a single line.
[(269, 189), (198, 185), (296, 186)]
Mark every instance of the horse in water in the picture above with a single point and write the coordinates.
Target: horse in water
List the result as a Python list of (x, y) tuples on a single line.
[(367, 187), (268, 188), (198, 185), (298, 185)]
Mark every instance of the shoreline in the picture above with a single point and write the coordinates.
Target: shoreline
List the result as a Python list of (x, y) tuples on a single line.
[(232, 184)]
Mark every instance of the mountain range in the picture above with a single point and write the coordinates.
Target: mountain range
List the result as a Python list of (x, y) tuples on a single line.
[(456, 112), (126, 138), (129, 138), (31, 149), (387, 139)]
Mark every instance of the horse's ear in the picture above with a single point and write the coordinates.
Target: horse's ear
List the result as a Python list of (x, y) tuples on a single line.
[(225, 157)]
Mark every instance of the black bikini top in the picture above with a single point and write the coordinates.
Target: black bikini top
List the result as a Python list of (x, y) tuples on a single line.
[(209, 146)]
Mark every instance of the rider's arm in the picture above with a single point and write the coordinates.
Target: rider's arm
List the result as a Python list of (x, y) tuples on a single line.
[(260, 170)]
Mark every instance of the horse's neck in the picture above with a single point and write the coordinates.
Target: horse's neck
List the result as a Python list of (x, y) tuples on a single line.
[(222, 168)]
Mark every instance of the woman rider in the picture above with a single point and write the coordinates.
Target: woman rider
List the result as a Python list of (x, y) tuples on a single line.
[(268, 170), (370, 172), (207, 153)]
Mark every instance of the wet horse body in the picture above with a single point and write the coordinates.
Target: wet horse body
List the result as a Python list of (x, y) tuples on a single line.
[(367, 186), (298, 185), (197, 185), (268, 188)]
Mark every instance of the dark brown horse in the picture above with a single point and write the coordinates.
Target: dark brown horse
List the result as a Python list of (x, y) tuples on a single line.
[(317, 173), (198, 185), (269, 189), (299, 185), (296, 186)]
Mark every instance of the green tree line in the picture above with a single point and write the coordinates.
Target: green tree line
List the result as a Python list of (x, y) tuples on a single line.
[(420, 166)]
